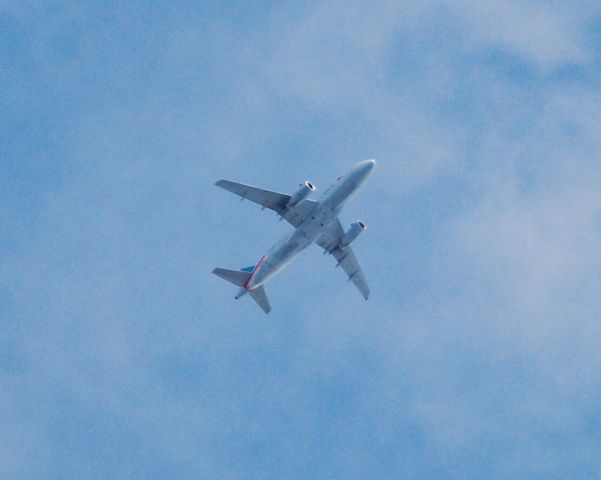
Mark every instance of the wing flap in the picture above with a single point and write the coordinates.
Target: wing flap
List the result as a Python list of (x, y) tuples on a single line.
[(347, 260), (345, 257), (272, 200), (267, 199)]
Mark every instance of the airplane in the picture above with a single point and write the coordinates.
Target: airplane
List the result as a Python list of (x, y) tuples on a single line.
[(314, 222)]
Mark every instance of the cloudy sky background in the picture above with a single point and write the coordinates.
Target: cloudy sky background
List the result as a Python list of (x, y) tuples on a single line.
[(478, 354)]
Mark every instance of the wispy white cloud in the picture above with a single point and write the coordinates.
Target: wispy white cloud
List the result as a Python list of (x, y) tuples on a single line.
[(546, 34), (476, 355)]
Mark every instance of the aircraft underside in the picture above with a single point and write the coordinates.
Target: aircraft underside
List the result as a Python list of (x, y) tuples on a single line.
[(314, 222)]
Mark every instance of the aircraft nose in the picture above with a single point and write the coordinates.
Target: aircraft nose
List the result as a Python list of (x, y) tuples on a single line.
[(366, 166)]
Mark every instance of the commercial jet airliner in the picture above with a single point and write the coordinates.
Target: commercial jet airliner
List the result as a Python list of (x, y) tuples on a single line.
[(314, 221)]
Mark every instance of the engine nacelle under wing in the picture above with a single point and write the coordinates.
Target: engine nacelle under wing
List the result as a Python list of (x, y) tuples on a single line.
[(352, 233), (302, 193)]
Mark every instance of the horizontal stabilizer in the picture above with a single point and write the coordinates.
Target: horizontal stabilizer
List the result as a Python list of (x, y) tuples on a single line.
[(240, 278), (233, 276), (260, 296)]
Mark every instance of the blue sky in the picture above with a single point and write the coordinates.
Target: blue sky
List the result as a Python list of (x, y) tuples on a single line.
[(477, 355)]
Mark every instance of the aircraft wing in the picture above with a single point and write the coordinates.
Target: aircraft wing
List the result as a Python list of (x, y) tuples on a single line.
[(329, 241), (273, 200)]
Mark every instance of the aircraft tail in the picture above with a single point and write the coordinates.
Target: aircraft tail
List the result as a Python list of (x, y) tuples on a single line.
[(239, 278), (260, 296), (233, 276)]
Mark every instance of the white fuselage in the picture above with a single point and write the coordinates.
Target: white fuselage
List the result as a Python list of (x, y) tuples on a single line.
[(328, 208)]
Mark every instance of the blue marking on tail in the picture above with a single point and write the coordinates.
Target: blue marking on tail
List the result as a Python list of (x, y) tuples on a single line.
[(248, 269)]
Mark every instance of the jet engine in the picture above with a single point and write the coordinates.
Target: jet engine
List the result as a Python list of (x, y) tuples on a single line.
[(352, 233), (303, 192)]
